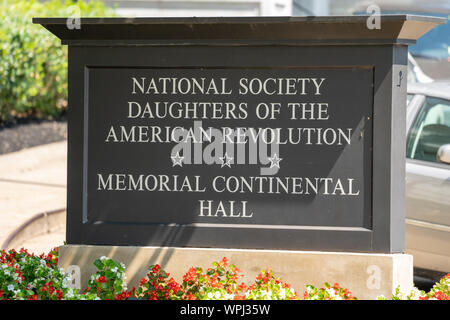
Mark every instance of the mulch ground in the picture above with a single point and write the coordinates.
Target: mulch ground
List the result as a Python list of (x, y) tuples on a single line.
[(34, 133)]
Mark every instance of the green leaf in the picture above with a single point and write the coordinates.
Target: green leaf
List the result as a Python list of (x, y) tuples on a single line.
[(98, 263)]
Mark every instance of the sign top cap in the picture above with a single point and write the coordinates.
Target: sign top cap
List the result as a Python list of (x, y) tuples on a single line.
[(403, 29)]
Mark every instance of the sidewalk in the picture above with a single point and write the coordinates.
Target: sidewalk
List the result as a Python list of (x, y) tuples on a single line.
[(32, 181)]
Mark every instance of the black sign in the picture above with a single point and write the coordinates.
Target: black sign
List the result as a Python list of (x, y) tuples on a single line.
[(268, 147), (237, 133)]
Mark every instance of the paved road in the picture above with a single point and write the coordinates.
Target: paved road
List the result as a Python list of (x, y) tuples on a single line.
[(32, 181)]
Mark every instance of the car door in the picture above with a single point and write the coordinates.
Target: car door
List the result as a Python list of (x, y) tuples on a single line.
[(428, 183)]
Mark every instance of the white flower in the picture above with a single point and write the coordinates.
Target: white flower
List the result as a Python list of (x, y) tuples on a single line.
[(415, 294), (267, 295), (10, 287), (331, 292), (102, 258), (283, 294), (114, 269), (69, 294), (229, 296)]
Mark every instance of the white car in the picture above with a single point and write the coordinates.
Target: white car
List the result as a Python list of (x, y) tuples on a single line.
[(415, 74), (428, 175)]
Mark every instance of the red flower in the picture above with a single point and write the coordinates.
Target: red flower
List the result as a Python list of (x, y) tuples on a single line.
[(190, 296), (225, 262), (441, 296), (156, 268), (191, 275), (101, 279)]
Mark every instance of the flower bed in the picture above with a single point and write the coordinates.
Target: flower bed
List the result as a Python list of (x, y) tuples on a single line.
[(27, 276)]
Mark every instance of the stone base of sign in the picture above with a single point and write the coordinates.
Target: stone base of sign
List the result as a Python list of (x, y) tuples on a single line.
[(366, 275)]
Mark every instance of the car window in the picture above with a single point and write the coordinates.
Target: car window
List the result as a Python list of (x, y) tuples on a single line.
[(408, 98), (430, 130)]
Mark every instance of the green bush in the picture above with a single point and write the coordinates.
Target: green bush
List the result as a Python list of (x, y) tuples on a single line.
[(33, 64)]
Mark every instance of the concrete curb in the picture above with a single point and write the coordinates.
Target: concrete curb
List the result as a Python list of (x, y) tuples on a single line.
[(41, 223)]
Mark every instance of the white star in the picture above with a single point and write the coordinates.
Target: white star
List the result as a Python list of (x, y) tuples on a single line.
[(177, 160), (275, 161), (226, 161)]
